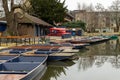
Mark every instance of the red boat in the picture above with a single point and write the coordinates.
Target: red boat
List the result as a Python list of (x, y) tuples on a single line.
[(57, 32)]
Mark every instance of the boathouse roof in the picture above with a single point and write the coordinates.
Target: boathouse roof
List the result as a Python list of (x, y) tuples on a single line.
[(26, 18)]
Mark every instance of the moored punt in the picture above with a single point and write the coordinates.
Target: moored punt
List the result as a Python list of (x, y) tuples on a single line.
[(62, 52), (11, 76), (90, 40), (13, 51), (99, 40), (5, 58), (66, 53), (28, 49), (80, 45), (74, 45), (69, 50), (60, 56), (36, 49), (44, 51), (19, 51), (25, 67), (111, 37)]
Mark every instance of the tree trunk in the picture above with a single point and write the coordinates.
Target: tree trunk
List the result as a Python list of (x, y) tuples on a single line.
[(11, 29), (117, 21), (117, 29), (117, 25)]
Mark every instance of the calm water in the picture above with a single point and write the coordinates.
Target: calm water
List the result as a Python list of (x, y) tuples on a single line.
[(96, 62)]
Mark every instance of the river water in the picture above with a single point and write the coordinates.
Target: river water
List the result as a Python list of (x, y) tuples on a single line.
[(95, 62)]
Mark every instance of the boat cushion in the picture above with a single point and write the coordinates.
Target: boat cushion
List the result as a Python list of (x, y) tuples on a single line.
[(19, 66), (28, 59)]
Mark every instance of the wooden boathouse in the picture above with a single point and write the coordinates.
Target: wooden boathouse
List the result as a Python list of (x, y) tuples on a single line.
[(30, 25)]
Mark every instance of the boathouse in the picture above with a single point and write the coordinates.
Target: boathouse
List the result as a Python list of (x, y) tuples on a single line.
[(30, 25)]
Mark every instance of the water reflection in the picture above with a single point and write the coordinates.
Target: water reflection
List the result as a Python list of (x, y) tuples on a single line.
[(55, 69), (108, 52), (95, 62)]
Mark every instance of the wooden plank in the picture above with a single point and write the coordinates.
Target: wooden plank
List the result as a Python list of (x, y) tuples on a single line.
[(34, 54), (69, 49), (11, 76), (62, 54), (1, 61)]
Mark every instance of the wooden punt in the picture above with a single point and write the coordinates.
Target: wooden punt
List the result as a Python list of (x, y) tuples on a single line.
[(61, 53), (11, 76), (90, 41), (60, 56), (5, 58), (24, 68), (54, 56), (16, 51), (69, 50), (74, 45), (35, 47), (39, 49)]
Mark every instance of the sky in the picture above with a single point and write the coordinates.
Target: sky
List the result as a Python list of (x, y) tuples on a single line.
[(72, 4)]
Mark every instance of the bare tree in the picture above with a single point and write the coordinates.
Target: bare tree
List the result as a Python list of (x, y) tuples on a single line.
[(79, 6), (90, 18), (87, 15), (90, 7), (115, 8), (84, 6), (1, 13), (9, 14), (100, 9), (9, 7)]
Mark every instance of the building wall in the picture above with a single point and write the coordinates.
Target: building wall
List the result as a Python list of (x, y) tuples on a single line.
[(32, 30), (26, 29), (96, 20)]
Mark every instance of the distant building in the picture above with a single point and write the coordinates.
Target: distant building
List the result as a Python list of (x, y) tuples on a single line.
[(69, 17), (96, 21)]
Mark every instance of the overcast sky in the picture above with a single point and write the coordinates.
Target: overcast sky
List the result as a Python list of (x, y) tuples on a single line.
[(72, 4)]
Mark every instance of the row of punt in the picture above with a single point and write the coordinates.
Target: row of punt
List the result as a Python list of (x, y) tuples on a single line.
[(28, 62)]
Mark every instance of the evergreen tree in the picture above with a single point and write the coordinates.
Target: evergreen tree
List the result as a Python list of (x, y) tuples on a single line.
[(49, 10), (75, 24)]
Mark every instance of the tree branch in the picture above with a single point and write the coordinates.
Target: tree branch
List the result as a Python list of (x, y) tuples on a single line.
[(12, 4), (5, 6)]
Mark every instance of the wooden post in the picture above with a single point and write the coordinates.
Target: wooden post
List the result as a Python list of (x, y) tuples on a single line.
[(25, 41), (16, 41), (29, 40), (6, 42), (38, 40), (34, 40), (0, 41)]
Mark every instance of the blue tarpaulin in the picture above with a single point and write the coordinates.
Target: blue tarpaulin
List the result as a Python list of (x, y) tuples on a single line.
[(3, 26)]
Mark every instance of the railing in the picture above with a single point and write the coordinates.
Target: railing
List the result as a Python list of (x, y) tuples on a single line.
[(22, 40)]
